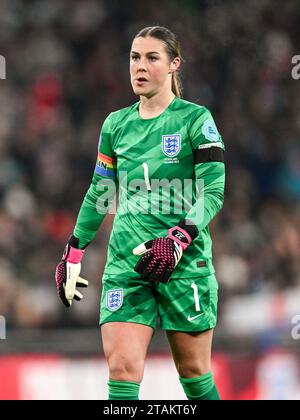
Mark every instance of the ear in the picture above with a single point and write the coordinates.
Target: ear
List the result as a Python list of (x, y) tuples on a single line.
[(175, 64)]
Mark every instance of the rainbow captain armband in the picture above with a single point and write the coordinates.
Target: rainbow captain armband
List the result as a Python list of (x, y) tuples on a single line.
[(106, 166)]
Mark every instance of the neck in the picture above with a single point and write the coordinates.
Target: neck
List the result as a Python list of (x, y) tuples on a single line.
[(156, 103)]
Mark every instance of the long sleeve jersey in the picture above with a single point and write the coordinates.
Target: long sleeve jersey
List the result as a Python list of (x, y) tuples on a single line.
[(161, 170)]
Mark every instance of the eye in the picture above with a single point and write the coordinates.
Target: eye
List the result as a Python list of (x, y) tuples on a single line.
[(152, 58), (134, 57)]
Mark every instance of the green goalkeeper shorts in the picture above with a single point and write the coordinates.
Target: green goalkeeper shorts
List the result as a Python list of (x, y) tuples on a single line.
[(182, 305)]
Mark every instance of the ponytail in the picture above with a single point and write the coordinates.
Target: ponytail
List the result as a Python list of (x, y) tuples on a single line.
[(176, 85)]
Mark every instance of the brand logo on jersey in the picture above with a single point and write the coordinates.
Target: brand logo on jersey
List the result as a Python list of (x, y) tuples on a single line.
[(114, 299), (210, 131), (121, 151), (171, 144)]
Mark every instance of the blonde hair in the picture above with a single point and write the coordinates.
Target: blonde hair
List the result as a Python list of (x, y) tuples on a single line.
[(172, 49)]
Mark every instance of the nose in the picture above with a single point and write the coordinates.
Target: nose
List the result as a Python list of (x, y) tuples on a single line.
[(142, 64)]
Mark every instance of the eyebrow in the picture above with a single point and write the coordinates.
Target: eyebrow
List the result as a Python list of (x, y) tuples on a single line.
[(148, 53)]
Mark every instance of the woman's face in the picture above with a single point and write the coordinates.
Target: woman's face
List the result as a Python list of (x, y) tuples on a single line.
[(150, 68)]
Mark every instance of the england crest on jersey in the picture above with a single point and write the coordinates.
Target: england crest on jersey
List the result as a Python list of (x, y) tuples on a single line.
[(171, 144), (114, 299)]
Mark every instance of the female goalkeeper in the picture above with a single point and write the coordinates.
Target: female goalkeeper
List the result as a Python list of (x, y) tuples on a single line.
[(157, 153)]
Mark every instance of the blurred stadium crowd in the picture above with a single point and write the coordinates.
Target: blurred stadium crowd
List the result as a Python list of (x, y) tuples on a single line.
[(68, 67)]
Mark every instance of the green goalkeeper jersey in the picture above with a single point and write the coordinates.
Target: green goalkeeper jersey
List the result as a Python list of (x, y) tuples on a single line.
[(150, 164)]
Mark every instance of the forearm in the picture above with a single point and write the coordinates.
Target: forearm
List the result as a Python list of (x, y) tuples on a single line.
[(210, 178), (95, 206), (159, 256)]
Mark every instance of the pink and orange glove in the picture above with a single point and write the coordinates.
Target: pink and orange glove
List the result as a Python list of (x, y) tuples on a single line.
[(67, 274), (161, 255)]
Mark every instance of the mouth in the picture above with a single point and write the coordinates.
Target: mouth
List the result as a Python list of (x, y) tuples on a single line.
[(141, 80)]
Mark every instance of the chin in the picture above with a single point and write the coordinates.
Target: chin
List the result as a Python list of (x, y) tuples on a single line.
[(143, 92), (140, 91)]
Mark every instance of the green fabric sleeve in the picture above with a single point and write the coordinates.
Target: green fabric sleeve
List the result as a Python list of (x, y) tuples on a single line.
[(203, 130), (95, 206), (102, 190), (210, 181)]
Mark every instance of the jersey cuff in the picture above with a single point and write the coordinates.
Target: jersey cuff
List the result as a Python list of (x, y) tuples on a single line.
[(74, 242), (189, 227)]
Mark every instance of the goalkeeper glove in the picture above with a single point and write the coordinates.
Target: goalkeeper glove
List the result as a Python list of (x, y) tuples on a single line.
[(67, 273), (163, 254)]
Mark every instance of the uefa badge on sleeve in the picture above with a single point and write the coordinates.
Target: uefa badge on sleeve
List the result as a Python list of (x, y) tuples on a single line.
[(114, 299), (210, 131)]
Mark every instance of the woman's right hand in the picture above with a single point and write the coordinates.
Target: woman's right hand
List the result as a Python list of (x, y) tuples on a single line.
[(67, 275)]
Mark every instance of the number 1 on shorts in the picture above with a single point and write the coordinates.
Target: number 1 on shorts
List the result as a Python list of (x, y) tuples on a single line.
[(196, 296)]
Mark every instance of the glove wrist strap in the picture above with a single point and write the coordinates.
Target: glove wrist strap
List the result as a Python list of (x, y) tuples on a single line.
[(184, 233), (73, 255), (180, 236)]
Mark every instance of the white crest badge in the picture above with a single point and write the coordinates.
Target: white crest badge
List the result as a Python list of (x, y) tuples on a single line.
[(171, 144), (210, 131), (114, 299)]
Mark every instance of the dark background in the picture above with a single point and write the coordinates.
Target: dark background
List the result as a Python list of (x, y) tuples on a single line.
[(67, 69)]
